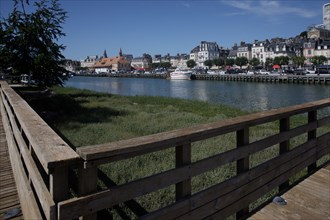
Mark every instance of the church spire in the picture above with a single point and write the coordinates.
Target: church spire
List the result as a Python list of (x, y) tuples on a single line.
[(105, 54), (120, 52)]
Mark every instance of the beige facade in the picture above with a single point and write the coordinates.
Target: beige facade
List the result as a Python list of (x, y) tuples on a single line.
[(112, 64)]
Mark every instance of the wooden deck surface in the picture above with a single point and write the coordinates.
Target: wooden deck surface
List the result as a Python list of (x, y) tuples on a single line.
[(8, 193), (310, 199)]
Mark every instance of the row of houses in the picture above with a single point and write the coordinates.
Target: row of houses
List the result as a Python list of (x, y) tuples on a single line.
[(315, 43)]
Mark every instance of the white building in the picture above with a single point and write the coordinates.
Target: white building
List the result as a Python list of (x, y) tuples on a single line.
[(258, 51), (323, 49), (326, 16), (205, 51), (89, 61)]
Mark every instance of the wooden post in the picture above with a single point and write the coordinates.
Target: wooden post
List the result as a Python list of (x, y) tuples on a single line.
[(312, 116), (87, 183), (284, 147), (242, 165), (183, 157), (58, 184)]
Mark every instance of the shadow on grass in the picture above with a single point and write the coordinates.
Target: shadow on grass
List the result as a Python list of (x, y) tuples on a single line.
[(62, 107)]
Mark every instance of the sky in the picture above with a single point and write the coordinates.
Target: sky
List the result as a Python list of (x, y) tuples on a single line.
[(176, 26)]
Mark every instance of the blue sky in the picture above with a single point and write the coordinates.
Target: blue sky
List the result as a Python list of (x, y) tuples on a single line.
[(175, 26)]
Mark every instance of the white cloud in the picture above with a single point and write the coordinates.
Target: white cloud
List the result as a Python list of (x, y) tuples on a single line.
[(269, 8)]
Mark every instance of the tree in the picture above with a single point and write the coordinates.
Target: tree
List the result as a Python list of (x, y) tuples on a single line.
[(241, 61), (269, 62), (165, 65), (318, 60), (191, 63), (230, 62), (29, 42), (219, 62), (208, 63), (281, 60), (298, 61), (254, 62)]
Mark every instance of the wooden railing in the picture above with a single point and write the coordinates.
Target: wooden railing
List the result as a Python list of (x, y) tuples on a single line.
[(42, 160), (220, 200), (39, 157)]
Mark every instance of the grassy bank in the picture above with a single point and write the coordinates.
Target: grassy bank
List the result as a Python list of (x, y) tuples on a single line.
[(82, 114), (87, 118)]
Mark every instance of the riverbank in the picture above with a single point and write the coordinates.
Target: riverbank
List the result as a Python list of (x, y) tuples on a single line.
[(82, 114), (299, 79)]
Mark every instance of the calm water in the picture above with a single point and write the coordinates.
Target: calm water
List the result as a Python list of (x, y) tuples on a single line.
[(244, 95)]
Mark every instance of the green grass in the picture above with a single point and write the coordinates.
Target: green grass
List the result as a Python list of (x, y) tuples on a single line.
[(84, 117)]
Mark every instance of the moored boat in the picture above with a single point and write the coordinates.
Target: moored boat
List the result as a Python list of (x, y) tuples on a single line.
[(181, 74)]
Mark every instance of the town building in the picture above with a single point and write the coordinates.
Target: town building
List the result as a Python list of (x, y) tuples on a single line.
[(309, 50), (142, 63), (318, 33), (258, 50), (205, 51), (72, 65), (112, 64), (326, 16), (244, 50), (89, 61), (323, 49)]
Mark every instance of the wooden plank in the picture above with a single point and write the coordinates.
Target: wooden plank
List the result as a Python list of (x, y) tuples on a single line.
[(284, 146), (87, 184), (244, 192), (28, 204), (242, 165), (8, 192), (183, 158), (240, 153), (201, 198), (227, 211), (312, 117), (304, 201), (41, 189), (50, 149), (98, 201), (174, 138)]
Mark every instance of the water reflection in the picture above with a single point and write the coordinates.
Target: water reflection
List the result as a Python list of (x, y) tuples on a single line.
[(245, 95)]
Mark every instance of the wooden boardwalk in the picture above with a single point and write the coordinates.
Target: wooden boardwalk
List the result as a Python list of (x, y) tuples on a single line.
[(8, 193), (310, 199)]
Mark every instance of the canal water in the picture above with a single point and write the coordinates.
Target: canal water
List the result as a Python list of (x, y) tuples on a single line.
[(250, 96)]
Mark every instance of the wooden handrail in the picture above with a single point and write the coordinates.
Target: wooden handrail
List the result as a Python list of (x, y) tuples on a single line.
[(50, 148), (39, 157)]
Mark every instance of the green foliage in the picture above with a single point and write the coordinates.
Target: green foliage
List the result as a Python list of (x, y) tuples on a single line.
[(254, 62), (269, 62), (219, 62), (281, 60), (208, 63), (230, 62), (29, 42), (191, 63), (241, 61), (165, 65), (298, 61), (318, 60)]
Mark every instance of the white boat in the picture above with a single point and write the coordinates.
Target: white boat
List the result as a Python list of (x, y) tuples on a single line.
[(181, 74)]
